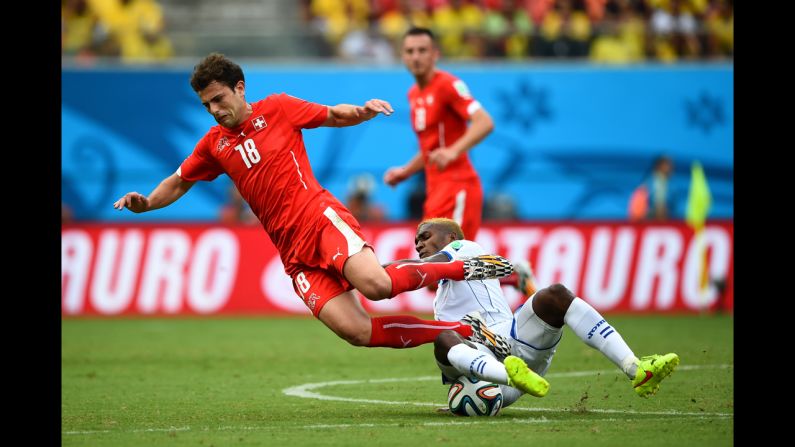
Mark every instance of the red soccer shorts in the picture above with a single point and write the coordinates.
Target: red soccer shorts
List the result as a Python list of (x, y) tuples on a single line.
[(319, 277), (462, 202)]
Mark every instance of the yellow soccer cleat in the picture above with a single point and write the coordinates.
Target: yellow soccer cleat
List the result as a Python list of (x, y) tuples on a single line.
[(652, 370), (522, 377)]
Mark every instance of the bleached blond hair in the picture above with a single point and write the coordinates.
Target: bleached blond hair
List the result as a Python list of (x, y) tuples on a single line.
[(448, 224)]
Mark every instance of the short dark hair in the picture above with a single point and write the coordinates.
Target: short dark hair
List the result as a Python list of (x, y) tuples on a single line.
[(215, 67), (419, 31)]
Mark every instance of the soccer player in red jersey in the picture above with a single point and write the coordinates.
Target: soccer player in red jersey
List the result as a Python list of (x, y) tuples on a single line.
[(260, 147), (441, 106)]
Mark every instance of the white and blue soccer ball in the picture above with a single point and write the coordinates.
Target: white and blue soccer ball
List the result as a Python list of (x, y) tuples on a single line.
[(473, 397)]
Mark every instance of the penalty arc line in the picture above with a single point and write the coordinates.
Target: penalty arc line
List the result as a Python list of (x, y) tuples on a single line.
[(306, 391), (303, 391)]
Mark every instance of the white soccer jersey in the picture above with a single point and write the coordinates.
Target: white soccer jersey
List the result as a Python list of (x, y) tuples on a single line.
[(454, 299)]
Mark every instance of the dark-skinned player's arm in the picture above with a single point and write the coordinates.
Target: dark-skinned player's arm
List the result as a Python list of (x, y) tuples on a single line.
[(166, 193)]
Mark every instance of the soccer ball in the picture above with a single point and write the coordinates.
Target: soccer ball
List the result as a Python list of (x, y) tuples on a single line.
[(473, 397)]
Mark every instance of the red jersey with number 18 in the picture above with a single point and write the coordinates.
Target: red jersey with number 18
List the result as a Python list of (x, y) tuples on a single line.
[(266, 158)]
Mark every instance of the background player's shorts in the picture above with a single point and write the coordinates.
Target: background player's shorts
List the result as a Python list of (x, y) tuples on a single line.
[(532, 339), (462, 202), (318, 278)]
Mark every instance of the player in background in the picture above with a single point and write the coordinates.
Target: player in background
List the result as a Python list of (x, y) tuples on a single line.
[(260, 147), (533, 331), (441, 106)]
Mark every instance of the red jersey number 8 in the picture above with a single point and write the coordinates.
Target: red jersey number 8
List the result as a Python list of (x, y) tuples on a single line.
[(419, 119), (302, 282)]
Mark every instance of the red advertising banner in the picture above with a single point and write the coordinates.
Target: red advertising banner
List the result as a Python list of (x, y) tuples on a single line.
[(186, 269)]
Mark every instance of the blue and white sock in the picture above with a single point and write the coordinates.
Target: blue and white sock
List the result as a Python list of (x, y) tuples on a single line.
[(596, 332), (471, 362)]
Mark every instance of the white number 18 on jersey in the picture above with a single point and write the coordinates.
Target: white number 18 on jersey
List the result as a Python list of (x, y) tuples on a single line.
[(250, 154)]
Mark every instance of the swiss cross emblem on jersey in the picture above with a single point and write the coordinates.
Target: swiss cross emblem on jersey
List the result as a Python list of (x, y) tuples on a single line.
[(259, 123)]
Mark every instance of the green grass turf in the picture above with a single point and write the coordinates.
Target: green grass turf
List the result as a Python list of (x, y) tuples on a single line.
[(220, 382)]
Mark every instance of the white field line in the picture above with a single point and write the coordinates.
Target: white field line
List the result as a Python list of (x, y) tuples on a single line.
[(304, 392), (462, 421)]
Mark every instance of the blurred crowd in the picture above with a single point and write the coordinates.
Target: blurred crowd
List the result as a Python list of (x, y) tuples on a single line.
[(617, 31), (132, 30)]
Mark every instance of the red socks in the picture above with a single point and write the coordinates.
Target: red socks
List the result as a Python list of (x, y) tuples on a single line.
[(408, 276), (510, 280), (406, 331)]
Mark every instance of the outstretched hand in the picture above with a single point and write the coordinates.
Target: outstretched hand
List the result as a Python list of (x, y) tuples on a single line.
[(135, 202), (374, 107)]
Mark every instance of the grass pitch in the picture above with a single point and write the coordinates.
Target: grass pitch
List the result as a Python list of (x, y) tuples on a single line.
[(291, 381)]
